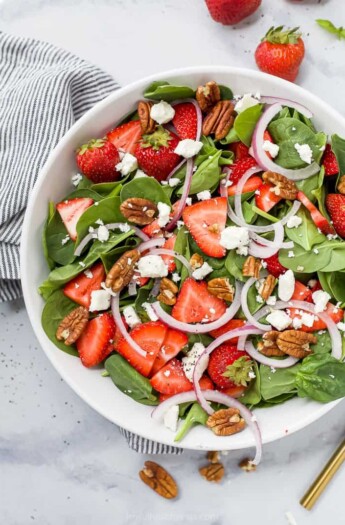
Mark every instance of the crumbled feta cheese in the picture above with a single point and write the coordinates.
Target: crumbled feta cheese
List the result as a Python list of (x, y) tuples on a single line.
[(174, 181), (312, 283), (65, 240), (102, 233), (305, 152), (124, 228), (131, 316), (341, 326), (152, 266), (242, 250), (150, 311), (91, 229), (234, 237), (128, 164), (247, 101), (108, 290), (163, 214), (320, 299), (188, 201), (140, 174), (88, 274), (201, 272), (132, 288), (190, 360), (171, 418), (263, 263), (297, 323), (76, 178), (187, 148), (259, 299), (272, 149), (82, 264), (76, 285), (286, 285), (167, 373), (179, 224), (316, 251), (291, 254), (307, 319), (203, 195), (162, 112), (271, 300), (279, 319), (300, 268), (100, 300), (294, 221), (100, 222), (175, 277)]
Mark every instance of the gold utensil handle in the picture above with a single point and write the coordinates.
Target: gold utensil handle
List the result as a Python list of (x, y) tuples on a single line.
[(325, 476)]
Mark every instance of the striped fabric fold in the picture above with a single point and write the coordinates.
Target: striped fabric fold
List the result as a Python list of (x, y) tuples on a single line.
[(43, 91)]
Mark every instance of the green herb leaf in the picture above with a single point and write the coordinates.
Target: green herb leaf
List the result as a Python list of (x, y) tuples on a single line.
[(278, 382), (252, 394), (195, 416), (329, 257), (331, 28), (162, 90), (306, 234), (145, 188), (321, 377), (245, 123), (338, 148), (207, 175)]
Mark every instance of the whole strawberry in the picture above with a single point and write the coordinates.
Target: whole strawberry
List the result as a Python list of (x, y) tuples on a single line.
[(280, 53), (335, 203), (155, 153), (230, 12), (97, 161)]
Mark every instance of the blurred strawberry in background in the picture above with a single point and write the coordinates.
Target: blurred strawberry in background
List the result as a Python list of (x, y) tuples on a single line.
[(230, 12)]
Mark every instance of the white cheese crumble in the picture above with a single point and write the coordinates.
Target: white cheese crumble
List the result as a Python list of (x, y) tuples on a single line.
[(150, 311), (76, 178), (131, 316), (286, 285), (171, 418), (152, 266), (296, 323), (294, 221), (187, 148), (128, 164), (176, 278), (188, 201), (82, 264), (100, 300), (174, 181), (88, 274), (203, 195), (124, 228), (300, 268), (279, 319), (271, 300), (247, 101), (291, 254), (163, 214), (201, 272), (307, 319), (132, 288), (341, 326), (100, 222), (140, 174), (162, 112), (190, 360), (102, 233), (272, 149), (65, 240), (235, 237), (320, 299), (305, 152), (259, 299)]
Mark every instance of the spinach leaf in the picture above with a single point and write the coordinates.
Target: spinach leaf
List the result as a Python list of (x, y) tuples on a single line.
[(282, 381), (334, 284), (245, 123), (162, 90), (108, 210), (320, 193), (225, 92), (51, 211), (207, 175), (196, 415), (58, 250), (129, 381), (231, 137), (252, 395), (324, 343), (330, 257), (145, 188), (86, 193), (275, 400), (142, 297), (55, 309), (338, 147), (306, 234), (199, 338), (182, 247), (232, 262), (321, 377), (309, 186), (108, 188)]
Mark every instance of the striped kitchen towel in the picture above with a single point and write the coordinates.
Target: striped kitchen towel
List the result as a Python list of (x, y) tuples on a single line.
[(43, 91)]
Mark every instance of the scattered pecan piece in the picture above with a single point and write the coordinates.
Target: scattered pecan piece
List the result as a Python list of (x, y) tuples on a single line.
[(221, 288), (295, 343), (213, 456), (219, 120), (284, 187), (213, 472), (226, 422), (159, 480), (268, 345), (167, 292), (196, 261), (267, 287), (247, 465), (148, 125), (251, 267), (122, 272), (73, 325), (341, 185), (139, 211), (208, 95)]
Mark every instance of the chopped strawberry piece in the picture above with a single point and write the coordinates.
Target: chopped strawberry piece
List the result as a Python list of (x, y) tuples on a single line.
[(335, 203), (301, 292), (230, 325), (172, 345), (319, 220), (80, 288), (335, 313), (273, 265), (240, 167), (265, 198), (153, 229), (185, 120), (252, 184), (205, 384), (168, 260), (94, 345), (239, 149), (126, 136), (70, 212), (329, 162)]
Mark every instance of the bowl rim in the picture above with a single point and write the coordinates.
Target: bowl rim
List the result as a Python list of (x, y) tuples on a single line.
[(25, 248)]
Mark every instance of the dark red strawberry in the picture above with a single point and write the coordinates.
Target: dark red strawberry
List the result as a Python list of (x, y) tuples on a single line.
[(265, 198), (172, 345), (234, 391), (80, 288), (252, 184), (239, 168), (329, 162), (195, 304), (126, 136), (335, 313), (153, 229), (94, 345), (221, 359), (230, 325), (301, 292), (335, 203), (206, 220), (273, 265), (97, 161), (230, 12), (205, 384), (185, 120), (239, 149), (70, 212), (168, 260)]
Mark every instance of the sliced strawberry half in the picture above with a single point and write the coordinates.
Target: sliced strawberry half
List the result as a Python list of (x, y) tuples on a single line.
[(173, 343), (319, 220), (205, 220), (239, 149), (153, 229), (230, 325), (185, 120), (150, 337), (252, 184), (240, 167), (126, 136), (265, 198), (205, 384), (195, 304), (70, 212), (80, 288), (335, 313), (329, 162), (168, 260), (94, 345), (301, 292), (171, 379), (273, 265)]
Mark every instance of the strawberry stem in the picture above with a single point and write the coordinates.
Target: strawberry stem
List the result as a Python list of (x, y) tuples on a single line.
[(240, 371), (276, 35), (160, 138), (92, 144)]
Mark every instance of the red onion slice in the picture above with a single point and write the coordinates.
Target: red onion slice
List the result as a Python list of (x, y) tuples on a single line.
[(175, 170), (115, 308), (246, 311), (182, 202), (172, 253), (200, 328), (269, 361), (286, 102), (198, 113), (151, 243), (263, 252), (266, 242), (216, 397), (262, 158)]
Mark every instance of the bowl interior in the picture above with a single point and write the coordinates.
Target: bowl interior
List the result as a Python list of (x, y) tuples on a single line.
[(55, 181)]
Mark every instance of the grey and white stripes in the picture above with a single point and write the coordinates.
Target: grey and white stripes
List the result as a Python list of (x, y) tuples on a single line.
[(146, 446)]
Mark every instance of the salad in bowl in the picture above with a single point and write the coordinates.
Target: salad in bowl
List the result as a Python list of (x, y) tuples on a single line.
[(198, 259)]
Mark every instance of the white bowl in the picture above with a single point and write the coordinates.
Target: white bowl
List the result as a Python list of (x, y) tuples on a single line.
[(53, 184)]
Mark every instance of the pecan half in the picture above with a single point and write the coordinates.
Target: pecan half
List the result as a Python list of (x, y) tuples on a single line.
[(267, 287), (148, 125), (341, 185), (268, 345), (208, 95), (122, 272), (219, 120), (167, 292), (295, 343), (213, 472), (226, 422), (284, 187), (139, 211), (213, 456), (73, 325), (221, 288), (196, 261), (247, 465), (159, 480), (251, 267)]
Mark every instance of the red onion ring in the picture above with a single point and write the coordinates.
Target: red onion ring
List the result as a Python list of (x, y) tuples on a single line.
[(172, 173), (262, 158), (110, 226), (198, 113), (286, 102), (182, 202), (269, 361), (263, 252), (115, 308), (200, 328), (265, 242), (172, 253), (216, 397), (151, 243), (251, 319)]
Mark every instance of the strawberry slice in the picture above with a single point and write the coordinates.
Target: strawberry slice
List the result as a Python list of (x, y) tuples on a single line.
[(239, 149), (79, 289), (195, 304), (233, 391), (265, 199), (173, 343), (150, 336), (230, 325), (126, 136), (70, 212), (240, 167), (329, 162), (319, 220), (273, 265), (94, 345), (171, 379), (168, 260), (335, 313), (205, 220), (268, 137), (185, 120), (205, 384), (301, 292), (153, 229), (252, 184), (335, 203)]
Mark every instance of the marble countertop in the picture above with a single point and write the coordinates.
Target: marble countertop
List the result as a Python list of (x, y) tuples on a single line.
[(60, 462)]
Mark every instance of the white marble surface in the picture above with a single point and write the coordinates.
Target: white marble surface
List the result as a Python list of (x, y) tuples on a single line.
[(63, 464)]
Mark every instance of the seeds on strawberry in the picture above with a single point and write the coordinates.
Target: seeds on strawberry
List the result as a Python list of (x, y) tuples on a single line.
[(329, 162), (231, 12), (97, 160), (335, 203), (156, 153)]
